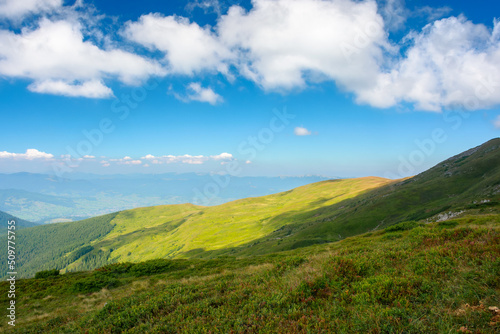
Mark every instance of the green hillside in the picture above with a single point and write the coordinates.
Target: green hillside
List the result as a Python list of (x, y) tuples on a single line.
[(323, 212), (20, 223), (175, 230), (466, 183), (409, 278)]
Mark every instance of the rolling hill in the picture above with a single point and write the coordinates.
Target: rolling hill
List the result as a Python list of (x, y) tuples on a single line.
[(20, 223), (174, 230), (328, 211)]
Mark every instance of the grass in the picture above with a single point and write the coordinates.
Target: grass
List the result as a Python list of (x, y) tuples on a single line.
[(179, 231), (409, 278)]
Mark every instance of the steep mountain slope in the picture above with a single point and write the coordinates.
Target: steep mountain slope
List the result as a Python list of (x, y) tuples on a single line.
[(175, 230), (467, 182)]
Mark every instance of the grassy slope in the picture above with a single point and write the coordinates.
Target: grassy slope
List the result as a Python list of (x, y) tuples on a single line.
[(313, 214), (411, 278), (170, 231), (455, 185)]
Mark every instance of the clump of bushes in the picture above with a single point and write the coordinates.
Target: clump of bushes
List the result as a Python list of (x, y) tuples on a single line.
[(152, 267), (404, 226), (94, 283), (47, 273), (447, 224)]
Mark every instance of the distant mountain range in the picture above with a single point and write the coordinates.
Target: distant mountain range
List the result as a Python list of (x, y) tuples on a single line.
[(45, 198), (322, 212)]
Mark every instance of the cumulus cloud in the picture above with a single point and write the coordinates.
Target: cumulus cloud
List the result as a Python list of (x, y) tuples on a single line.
[(222, 156), (187, 159), (90, 89), (300, 131), (59, 61), (132, 162), (124, 161), (15, 9), (188, 47), (281, 44), (31, 154), (452, 63), (195, 92)]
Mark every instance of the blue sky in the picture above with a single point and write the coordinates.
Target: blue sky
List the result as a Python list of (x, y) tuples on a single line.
[(298, 87)]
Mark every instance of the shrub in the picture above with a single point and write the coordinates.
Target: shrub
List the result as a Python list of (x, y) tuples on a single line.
[(47, 273), (404, 226), (94, 283), (447, 224), (152, 267)]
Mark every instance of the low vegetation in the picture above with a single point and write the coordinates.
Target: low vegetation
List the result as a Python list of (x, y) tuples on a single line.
[(171, 231), (441, 277)]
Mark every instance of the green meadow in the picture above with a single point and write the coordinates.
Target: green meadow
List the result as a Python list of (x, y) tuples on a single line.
[(411, 277)]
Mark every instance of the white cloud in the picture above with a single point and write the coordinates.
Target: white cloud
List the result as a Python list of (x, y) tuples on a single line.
[(395, 13), (131, 162), (188, 47), (300, 131), (432, 13), (452, 63), (59, 61), (124, 161), (195, 92), (31, 154), (206, 5), (90, 89), (222, 156), (284, 43), (280, 45), (15, 9), (187, 159), (89, 157), (496, 122)]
